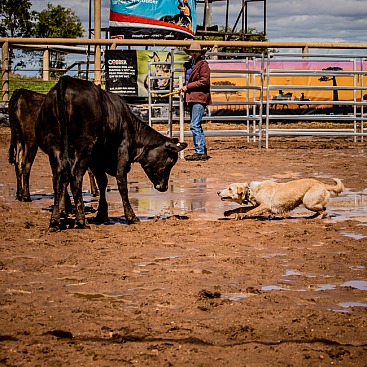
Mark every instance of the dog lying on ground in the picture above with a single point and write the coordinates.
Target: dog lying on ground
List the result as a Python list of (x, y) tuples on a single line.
[(270, 198)]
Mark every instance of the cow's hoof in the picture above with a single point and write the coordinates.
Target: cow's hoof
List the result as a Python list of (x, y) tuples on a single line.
[(81, 225), (56, 225), (133, 220), (54, 228)]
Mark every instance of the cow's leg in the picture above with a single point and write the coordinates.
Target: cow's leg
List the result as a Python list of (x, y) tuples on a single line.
[(26, 169), (102, 212), (76, 183), (59, 180), (65, 204), (29, 159), (122, 186), (19, 171), (19, 176), (93, 185)]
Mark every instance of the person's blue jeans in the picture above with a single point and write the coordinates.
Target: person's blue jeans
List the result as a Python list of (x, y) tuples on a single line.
[(196, 114)]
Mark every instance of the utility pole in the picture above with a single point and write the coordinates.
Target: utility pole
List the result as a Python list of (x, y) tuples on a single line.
[(97, 36)]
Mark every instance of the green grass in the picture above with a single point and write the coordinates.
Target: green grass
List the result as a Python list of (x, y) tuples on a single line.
[(31, 83)]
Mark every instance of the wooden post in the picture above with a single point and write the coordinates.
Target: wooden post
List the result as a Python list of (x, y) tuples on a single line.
[(215, 49), (305, 52), (97, 36), (46, 65), (5, 72)]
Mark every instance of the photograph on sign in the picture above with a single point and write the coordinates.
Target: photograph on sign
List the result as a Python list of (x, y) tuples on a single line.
[(153, 19)]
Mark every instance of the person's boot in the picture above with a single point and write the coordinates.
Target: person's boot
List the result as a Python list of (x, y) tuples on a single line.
[(197, 157)]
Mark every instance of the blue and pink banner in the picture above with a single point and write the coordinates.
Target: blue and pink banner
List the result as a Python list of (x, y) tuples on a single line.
[(153, 19)]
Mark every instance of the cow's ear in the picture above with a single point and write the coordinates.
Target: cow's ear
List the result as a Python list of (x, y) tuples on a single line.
[(175, 145)]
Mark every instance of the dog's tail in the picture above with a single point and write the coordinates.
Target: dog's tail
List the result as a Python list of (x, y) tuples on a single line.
[(337, 188)]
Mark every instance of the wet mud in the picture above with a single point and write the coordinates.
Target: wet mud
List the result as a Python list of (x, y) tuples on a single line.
[(187, 286)]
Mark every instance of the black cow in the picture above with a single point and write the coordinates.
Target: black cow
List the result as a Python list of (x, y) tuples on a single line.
[(23, 109), (79, 124)]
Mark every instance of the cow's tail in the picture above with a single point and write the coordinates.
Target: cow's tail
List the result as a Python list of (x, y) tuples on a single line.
[(11, 153), (337, 188), (63, 121), (14, 127)]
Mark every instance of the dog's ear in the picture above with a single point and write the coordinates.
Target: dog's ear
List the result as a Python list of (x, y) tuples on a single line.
[(241, 189)]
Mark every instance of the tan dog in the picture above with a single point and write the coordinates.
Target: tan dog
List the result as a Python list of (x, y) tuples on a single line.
[(270, 198)]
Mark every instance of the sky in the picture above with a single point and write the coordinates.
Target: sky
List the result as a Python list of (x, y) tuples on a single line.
[(287, 20)]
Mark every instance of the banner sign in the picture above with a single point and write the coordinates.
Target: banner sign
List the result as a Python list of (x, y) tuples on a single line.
[(122, 72), (127, 71), (153, 19)]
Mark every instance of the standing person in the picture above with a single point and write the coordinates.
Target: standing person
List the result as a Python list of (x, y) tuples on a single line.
[(197, 97)]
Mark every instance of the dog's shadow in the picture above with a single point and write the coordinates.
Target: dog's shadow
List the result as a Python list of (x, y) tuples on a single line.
[(245, 209)]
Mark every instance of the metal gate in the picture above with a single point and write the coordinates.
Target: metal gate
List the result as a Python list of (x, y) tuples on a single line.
[(273, 88)]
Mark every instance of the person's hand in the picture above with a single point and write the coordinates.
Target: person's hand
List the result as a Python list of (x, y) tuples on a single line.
[(183, 89)]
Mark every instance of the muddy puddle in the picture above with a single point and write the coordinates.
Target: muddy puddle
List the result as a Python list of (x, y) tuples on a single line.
[(291, 281), (198, 199)]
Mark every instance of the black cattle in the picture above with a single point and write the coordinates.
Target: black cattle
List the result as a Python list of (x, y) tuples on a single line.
[(23, 109), (79, 124)]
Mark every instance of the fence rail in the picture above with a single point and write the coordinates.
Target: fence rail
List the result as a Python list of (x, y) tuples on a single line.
[(341, 99), (259, 93)]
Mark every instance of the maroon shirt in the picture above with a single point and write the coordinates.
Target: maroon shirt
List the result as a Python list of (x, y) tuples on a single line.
[(198, 87)]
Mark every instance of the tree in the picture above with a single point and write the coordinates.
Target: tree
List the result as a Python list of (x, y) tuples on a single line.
[(58, 22), (16, 18), (326, 78), (16, 21), (227, 93)]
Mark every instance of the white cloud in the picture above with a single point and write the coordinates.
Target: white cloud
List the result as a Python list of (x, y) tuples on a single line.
[(318, 21)]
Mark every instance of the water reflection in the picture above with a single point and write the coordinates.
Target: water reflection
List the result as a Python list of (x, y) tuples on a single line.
[(357, 284), (190, 196), (199, 197), (352, 304)]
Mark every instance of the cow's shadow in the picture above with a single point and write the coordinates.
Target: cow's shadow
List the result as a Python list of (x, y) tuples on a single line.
[(142, 218)]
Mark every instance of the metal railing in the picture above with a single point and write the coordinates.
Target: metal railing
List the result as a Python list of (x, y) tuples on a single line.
[(259, 104), (257, 112), (348, 109), (251, 105)]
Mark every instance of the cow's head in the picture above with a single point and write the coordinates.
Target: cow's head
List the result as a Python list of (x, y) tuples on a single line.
[(158, 161)]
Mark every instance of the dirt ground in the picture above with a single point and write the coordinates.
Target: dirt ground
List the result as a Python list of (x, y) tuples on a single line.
[(193, 289)]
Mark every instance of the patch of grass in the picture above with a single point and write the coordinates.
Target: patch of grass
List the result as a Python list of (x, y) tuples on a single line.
[(31, 83)]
